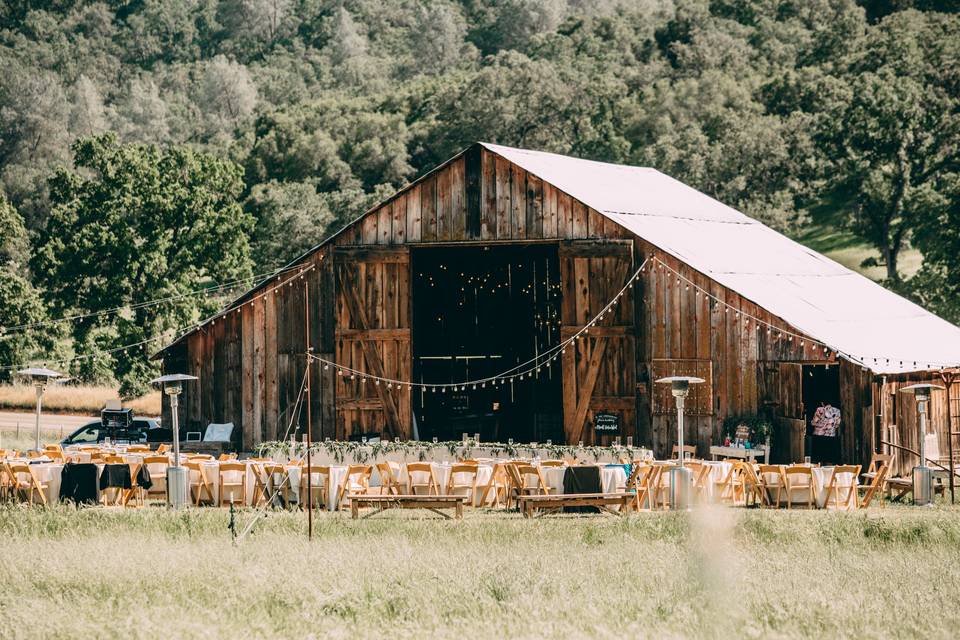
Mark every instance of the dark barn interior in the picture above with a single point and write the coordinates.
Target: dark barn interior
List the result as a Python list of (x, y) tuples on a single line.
[(479, 312)]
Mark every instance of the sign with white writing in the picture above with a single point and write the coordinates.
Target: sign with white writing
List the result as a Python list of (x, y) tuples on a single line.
[(606, 423)]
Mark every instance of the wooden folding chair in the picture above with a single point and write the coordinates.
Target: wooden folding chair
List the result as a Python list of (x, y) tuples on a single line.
[(157, 468), (200, 486), (773, 483), (457, 485), (531, 480), (701, 477), (390, 478), (876, 485), (278, 484), (799, 479), (660, 489), (26, 483), (135, 492), (754, 491), (429, 483), (844, 479), (357, 480), (6, 479), (319, 486), (642, 478), (689, 451), (233, 478), (499, 484), (553, 463), (259, 481), (227, 457), (729, 489)]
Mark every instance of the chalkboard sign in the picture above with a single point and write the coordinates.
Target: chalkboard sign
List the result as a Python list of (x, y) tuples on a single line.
[(606, 423)]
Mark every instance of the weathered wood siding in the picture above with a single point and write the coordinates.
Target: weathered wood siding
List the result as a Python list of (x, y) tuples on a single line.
[(251, 366)]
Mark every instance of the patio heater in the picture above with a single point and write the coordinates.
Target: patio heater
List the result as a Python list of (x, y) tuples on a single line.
[(178, 481), (681, 480), (40, 377), (922, 474)]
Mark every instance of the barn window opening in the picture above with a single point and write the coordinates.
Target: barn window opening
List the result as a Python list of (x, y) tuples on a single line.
[(478, 312)]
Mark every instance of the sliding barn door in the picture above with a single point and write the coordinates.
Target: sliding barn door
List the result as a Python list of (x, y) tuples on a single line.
[(791, 417), (599, 371), (373, 336)]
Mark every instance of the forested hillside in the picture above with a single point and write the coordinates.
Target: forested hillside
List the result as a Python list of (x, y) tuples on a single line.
[(154, 147)]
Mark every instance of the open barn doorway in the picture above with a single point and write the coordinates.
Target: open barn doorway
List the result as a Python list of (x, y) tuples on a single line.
[(477, 312), (821, 391)]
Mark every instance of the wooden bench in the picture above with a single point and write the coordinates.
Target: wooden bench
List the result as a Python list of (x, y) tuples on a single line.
[(529, 504), (384, 502)]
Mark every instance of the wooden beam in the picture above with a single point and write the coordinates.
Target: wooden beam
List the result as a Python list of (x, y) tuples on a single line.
[(587, 384), (372, 254), (598, 331), (350, 333), (370, 355), (597, 249)]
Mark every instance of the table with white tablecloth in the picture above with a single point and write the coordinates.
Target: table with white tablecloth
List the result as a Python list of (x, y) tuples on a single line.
[(441, 472), (50, 474), (613, 478), (821, 478)]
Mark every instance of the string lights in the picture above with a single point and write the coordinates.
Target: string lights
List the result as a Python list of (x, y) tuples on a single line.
[(778, 333), (301, 271), (216, 289), (524, 370)]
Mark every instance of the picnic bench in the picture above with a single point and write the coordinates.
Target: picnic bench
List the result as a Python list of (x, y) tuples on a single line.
[(430, 503), (529, 504)]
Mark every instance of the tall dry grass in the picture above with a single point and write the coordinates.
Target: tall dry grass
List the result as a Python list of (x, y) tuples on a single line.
[(154, 574), (81, 399)]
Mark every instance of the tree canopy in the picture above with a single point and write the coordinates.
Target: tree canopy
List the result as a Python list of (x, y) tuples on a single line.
[(138, 222), (245, 131)]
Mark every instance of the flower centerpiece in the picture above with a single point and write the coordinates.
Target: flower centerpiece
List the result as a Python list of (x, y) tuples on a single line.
[(759, 428)]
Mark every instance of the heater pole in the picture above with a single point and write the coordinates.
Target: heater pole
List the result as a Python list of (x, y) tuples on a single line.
[(36, 433), (680, 400)]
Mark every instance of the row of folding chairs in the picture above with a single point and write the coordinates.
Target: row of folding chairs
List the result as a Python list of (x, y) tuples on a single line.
[(764, 486)]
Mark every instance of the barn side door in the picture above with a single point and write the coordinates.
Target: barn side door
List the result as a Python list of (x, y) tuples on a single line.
[(599, 371), (373, 336), (791, 419)]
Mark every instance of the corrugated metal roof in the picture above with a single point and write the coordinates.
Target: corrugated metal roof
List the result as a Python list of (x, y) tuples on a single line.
[(823, 299)]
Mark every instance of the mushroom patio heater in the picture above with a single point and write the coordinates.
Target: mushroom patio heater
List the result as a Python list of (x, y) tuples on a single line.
[(40, 377), (178, 482), (681, 479), (922, 474)]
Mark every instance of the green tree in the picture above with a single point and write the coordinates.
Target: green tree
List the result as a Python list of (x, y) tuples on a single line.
[(937, 235), (134, 223), (900, 130), (19, 302)]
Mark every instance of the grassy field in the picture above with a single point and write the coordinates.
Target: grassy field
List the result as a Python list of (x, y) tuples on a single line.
[(722, 573), (825, 233), (84, 399), (22, 439)]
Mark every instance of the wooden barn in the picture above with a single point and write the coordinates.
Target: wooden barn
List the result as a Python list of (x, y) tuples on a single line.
[(492, 260)]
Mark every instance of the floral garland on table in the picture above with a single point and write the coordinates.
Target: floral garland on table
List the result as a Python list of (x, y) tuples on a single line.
[(363, 452)]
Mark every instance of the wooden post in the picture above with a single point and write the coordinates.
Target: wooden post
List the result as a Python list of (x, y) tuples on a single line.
[(948, 381), (306, 320)]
